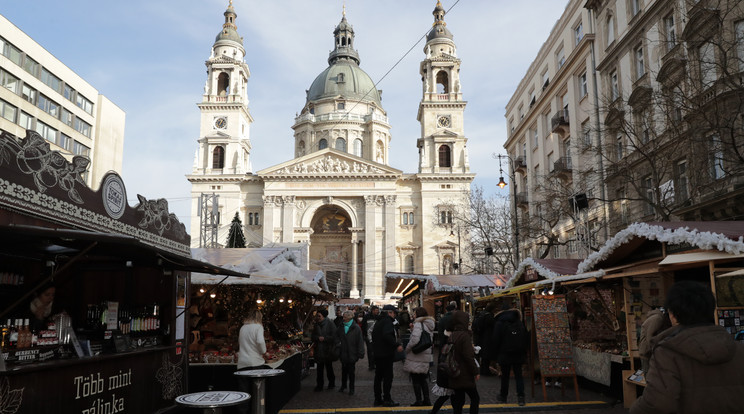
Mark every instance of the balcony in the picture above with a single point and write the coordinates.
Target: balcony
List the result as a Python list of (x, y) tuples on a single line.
[(520, 164), (559, 122), (522, 199), (563, 168)]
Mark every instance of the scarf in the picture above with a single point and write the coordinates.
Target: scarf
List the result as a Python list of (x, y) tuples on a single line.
[(347, 325)]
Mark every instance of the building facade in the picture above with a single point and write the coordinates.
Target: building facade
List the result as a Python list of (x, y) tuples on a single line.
[(361, 216), (655, 125), (40, 93)]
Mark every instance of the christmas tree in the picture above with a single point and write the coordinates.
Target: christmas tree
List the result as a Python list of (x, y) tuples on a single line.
[(236, 238)]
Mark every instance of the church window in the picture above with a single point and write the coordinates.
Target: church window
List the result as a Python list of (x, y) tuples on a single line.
[(322, 144), (410, 219), (405, 219), (218, 157), (223, 84), (341, 106), (250, 219), (445, 158), (409, 264), (442, 82), (358, 147), (341, 144), (253, 219), (445, 216), (340, 78)]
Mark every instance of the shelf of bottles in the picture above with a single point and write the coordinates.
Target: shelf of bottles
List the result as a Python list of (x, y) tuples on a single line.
[(107, 328)]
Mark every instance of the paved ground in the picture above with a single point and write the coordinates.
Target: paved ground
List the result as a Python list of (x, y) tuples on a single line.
[(331, 401)]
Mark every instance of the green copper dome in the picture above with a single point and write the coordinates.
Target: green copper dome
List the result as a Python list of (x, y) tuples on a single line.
[(229, 29), (347, 79)]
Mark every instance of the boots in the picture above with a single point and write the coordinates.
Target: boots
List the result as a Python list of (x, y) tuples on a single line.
[(425, 393), (417, 392)]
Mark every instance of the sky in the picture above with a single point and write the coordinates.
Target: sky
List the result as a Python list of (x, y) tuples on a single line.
[(147, 56)]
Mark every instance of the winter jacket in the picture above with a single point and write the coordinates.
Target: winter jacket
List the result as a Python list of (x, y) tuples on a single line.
[(443, 325), (419, 363), (694, 369), (352, 343), (384, 339), (463, 351), (651, 325), (368, 323), (252, 345), (500, 339), (482, 328), (324, 349)]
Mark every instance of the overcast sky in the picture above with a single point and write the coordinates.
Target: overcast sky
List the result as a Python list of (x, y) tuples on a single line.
[(147, 56)]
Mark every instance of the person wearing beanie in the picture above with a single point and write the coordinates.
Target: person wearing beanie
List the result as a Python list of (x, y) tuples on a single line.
[(324, 339), (385, 344)]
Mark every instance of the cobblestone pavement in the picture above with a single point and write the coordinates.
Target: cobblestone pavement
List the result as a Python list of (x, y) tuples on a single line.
[(330, 401)]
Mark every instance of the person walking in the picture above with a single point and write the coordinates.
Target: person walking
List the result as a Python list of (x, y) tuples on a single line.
[(385, 344), (695, 366), (251, 351), (367, 325), (464, 354), (418, 364), (482, 329), (324, 339), (352, 349), (508, 347), (444, 322)]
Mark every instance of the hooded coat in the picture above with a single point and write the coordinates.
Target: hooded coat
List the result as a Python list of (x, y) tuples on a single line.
[(694, 369), (352, 343), (419, 363), (463, 351), (498, 335)]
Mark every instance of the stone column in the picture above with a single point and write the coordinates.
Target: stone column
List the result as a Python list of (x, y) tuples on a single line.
[(369, 286), (268, 220), (390, 216), (354, 293), (288, 210)]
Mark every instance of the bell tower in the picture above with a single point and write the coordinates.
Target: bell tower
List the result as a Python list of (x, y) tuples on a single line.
[(442, 146), (224, 135)]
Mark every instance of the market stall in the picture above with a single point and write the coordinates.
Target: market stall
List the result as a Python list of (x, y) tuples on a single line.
[(280, 289), (631, 273), (92, 289)]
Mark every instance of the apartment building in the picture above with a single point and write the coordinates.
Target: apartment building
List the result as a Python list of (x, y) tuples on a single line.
[(671, 103), (40, 93), (551, 121), (658, 137)]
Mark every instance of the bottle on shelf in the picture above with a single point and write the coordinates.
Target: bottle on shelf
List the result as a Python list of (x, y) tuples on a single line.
[(4, 338), (13, 342)]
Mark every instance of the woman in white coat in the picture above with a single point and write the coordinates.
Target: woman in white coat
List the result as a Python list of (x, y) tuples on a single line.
[(418, 364)]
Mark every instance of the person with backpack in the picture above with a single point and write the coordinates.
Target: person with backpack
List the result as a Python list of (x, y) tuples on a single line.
[(482, 329), (509, 342), (463, 369), (417, 364)]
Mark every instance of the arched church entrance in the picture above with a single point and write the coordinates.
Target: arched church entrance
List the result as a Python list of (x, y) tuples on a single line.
[(330, 248)]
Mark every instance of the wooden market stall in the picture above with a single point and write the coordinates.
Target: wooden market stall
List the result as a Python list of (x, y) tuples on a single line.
[(545, 317), (645, 259), (285, 293), (92, 290)]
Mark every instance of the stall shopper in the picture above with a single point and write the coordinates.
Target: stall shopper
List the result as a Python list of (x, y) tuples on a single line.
[(367, 325), (508, 347), (385, 344), (657, 320), (324, 339), (418, 364), (465, 356), (695, 367), (252, 352), (352, 349)]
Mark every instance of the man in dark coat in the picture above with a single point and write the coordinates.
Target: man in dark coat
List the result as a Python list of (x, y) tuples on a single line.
[(352, 349), (509, 341), (385, 344), (696, 366), (482, 330), (324, 339), (465, 356), (367, 324), (444, 322)]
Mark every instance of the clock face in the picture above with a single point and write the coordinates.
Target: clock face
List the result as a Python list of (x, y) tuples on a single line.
[(443, 121), (220, 123)]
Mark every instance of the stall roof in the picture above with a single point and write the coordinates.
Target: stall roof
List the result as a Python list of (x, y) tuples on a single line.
[(546, 268), (46, 243), (724, 236), (399, 283), (681, 258)]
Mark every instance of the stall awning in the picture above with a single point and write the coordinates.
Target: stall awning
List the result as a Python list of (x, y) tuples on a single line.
[(44, 243), (681, 258), (511, 291), (739, 272)]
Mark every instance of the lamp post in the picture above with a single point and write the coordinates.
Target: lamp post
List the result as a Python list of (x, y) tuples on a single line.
[(503, 184), (458, 263)]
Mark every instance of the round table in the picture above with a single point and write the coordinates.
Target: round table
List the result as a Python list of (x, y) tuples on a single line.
[(259, 390), (212, 401)]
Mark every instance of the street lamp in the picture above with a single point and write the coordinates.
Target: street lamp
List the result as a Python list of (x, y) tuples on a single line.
[(503, 184), (458, 264)]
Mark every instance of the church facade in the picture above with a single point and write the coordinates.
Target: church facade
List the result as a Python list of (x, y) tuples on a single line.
[(360, 216)]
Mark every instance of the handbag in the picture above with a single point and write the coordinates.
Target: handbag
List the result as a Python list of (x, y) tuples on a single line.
[(424, 342)]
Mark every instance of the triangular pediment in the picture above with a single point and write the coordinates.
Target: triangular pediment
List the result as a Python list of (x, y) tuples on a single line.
[(217, 135), (444, 133), (329, 162), (446, 245)]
